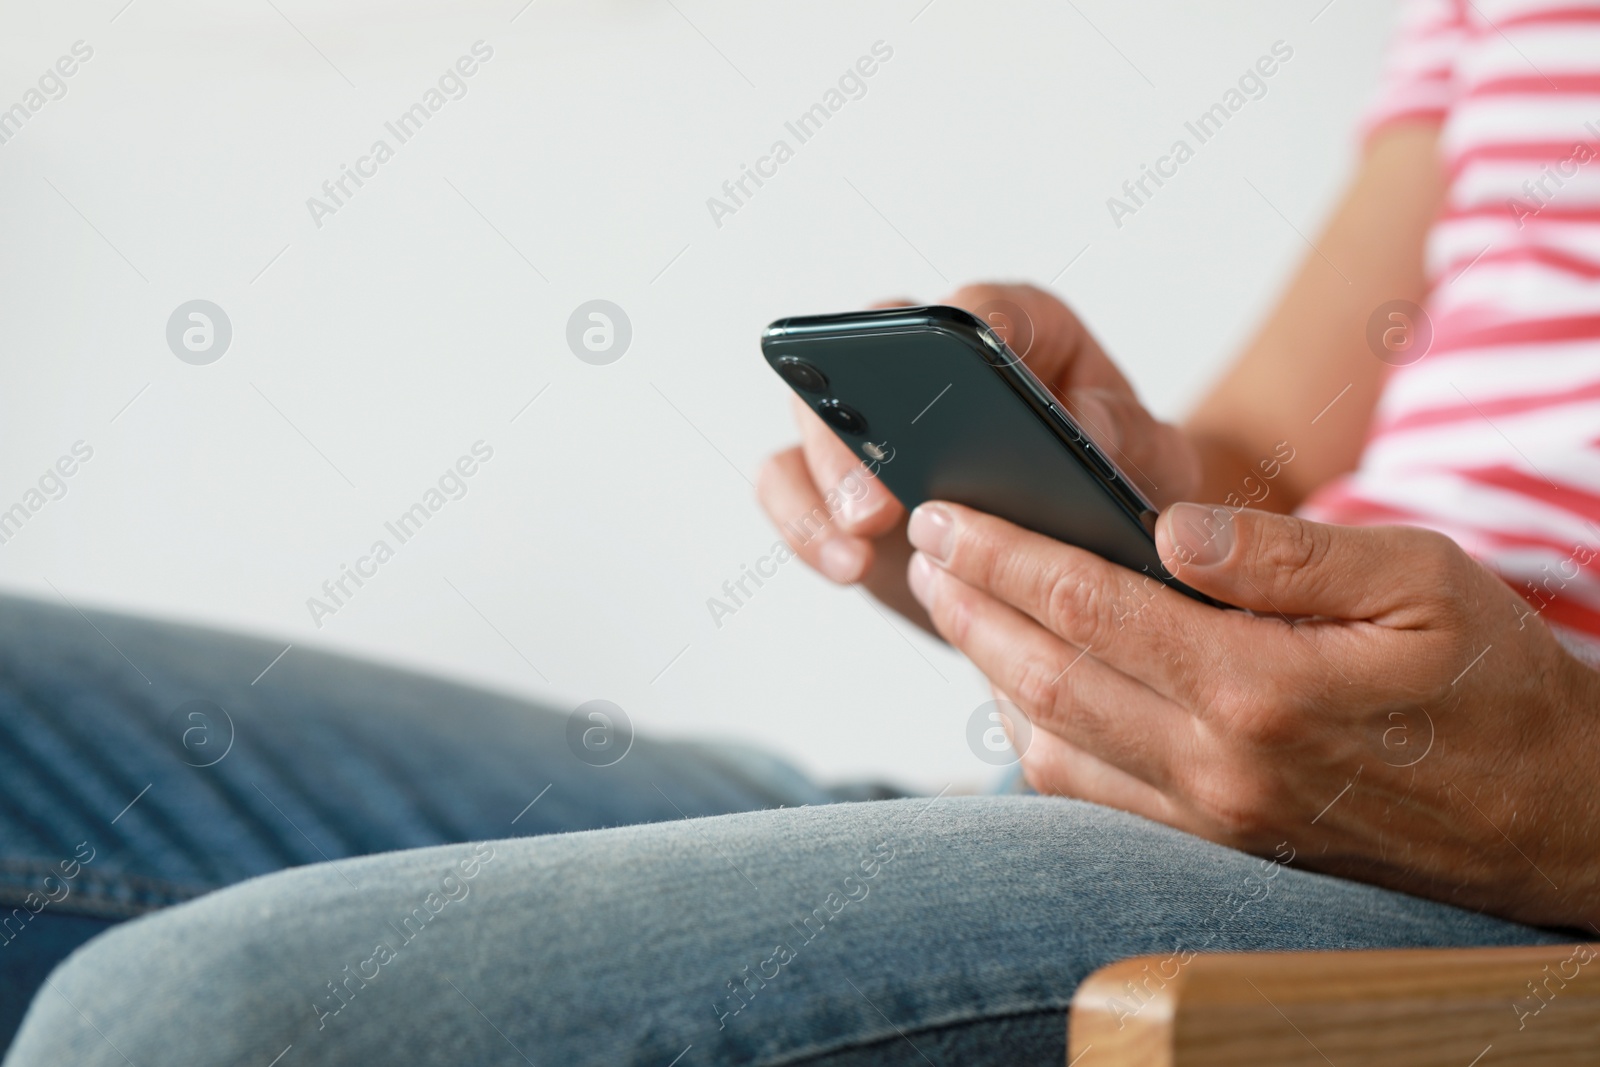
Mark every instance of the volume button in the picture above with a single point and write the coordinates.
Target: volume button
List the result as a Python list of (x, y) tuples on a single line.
[(1062, 418), (1077, 432), (1102, 464)]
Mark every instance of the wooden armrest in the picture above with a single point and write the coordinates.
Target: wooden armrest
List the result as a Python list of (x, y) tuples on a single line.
[(1490, 1007)]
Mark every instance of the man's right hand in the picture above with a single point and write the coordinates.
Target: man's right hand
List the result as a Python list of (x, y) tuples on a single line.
[(863, 537)]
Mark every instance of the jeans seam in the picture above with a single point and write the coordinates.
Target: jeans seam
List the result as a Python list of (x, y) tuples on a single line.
[(99, 894)]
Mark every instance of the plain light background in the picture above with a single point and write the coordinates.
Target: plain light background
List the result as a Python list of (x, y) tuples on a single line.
[(369, 353)]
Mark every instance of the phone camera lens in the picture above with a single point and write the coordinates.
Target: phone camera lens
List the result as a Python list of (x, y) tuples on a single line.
[(842, 416), (802, 375)]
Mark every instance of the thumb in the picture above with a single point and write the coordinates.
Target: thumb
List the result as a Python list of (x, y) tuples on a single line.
[(1287, 566)]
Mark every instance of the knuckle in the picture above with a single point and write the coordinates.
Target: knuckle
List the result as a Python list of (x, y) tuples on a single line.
[(1302, 546), (1442, 570), (1268, 727), (979, 552), (1255, 718), (951, 613), (1240, 806), (1037, 688), (1062, 597), (1080, 606)]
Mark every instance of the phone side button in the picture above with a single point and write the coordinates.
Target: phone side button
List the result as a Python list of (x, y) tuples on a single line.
[(1065, 420), (1100, 462), (1147, 519)]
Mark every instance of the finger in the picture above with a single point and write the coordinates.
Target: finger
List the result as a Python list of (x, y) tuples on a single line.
[(886, 579), (1044, 333), (1055, 344), (1056, 767), (1060, 688), (1131, 621), (864, 505), (1391, 575), (1152, 453), (792, 502)]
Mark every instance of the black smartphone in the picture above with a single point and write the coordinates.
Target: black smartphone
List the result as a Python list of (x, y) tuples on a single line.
[(936, 405)]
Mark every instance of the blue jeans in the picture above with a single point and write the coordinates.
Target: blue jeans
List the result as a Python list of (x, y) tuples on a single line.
[(299, 853)]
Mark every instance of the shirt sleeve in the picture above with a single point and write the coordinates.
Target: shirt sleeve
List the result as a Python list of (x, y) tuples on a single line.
[(1419, 83)]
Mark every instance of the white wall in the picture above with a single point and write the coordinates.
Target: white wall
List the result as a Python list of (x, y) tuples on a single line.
[(406, 327)]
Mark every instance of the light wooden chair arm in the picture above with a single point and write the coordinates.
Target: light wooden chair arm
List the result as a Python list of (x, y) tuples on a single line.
[(1492, 1007)]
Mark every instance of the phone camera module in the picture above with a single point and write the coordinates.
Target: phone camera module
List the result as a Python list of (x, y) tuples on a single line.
[(842, 417), (800, 374)]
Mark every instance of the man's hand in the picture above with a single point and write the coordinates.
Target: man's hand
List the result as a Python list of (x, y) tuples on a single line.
[(822, 477), (1392, 712)]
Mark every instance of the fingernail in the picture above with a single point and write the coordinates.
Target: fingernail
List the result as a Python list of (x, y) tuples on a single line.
[(919, 576), (933, 530), (1201, 536), (844, 559), (858, 502)]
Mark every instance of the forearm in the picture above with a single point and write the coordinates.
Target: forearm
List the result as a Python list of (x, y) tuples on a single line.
[(1308, 382)]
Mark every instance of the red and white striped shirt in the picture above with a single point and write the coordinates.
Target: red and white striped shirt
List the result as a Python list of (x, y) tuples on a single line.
[(1493, 436)]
